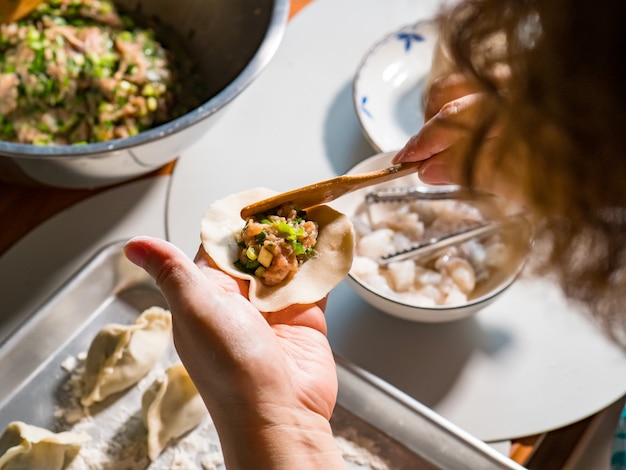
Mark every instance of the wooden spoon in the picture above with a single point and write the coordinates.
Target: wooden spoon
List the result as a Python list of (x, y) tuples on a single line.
[(13, 10), (328, 190)]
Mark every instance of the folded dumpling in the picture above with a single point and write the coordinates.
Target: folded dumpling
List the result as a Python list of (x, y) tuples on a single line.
[(328, 266), (121, 355), (23, 446), (170, 407)]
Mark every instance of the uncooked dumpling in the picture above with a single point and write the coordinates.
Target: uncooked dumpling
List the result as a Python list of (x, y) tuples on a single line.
[(23, 446), (170, 408), (121, 355), (315, 277)]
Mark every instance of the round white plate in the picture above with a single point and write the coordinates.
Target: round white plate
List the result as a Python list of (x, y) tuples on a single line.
[(389, 85)]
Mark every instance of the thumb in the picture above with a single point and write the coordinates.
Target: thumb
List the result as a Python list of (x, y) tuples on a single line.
[(176, 275)]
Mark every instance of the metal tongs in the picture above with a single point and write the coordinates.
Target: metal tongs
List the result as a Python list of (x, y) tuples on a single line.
[(434, 245), (405, 193)]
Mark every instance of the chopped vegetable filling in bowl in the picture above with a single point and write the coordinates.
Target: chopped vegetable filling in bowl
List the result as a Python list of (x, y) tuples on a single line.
[(79, 71), (98, 92)]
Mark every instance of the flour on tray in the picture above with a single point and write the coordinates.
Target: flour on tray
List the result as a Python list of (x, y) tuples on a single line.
[(119, 435), (354, 452)]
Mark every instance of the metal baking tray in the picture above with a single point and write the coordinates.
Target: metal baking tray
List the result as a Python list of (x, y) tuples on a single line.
[(377, 426)]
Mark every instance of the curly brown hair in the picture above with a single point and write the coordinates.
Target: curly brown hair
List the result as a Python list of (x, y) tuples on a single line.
[(563, 138)]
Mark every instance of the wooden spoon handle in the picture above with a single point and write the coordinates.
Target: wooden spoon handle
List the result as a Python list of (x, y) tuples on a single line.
[(328, 190), (13, 10)]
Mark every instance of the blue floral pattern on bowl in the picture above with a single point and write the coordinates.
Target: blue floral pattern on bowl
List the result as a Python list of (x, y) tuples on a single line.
[(408, 39), (389, 82)]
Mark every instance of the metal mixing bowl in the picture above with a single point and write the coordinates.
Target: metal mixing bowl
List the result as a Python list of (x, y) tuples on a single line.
[(231, 40)]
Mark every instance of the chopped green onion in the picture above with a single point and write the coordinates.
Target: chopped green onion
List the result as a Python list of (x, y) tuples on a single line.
[(287, 229), (252, 264)]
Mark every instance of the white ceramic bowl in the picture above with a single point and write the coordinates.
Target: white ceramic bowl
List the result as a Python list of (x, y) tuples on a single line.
[(389, 84), (482, 296)]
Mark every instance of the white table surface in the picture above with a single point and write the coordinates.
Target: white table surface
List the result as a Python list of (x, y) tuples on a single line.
[(525, 365)]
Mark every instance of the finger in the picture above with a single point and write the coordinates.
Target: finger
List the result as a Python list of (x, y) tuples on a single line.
[(451, 124), (442, 168), (448, 167), (176, 275), (311, 316), (446, 89)]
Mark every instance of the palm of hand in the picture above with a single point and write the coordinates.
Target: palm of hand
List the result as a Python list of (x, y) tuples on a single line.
[(279, 359), (310, 363)]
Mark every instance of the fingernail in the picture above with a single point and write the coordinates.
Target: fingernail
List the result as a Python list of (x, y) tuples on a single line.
[(135, 253), (399, 157)]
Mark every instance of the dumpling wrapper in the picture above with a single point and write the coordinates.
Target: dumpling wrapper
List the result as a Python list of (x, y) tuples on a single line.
[(170, 407), (25, 446), (121, 355), (315, 278)]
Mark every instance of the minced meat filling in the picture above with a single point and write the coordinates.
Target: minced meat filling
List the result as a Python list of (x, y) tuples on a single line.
[(274, 246), (78, 71)]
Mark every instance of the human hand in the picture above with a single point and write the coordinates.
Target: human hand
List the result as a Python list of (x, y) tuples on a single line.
[(268, 379), (454, 106)]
